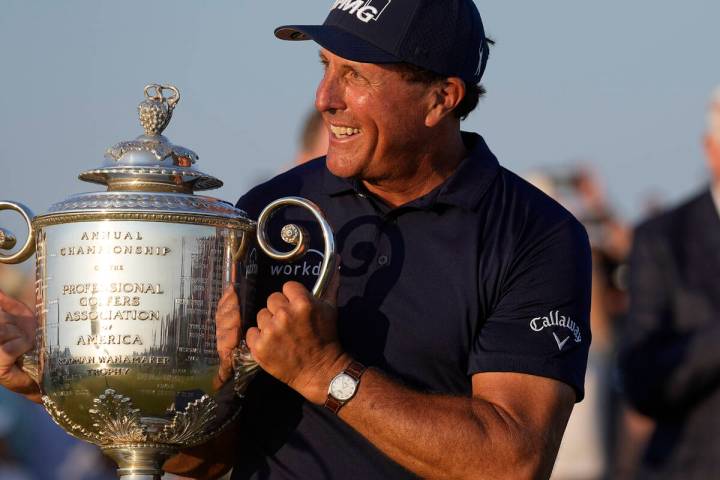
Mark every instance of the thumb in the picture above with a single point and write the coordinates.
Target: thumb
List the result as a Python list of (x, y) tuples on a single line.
[(331, 291)]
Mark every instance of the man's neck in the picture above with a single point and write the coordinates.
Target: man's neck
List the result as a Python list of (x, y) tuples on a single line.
[(423, 174)]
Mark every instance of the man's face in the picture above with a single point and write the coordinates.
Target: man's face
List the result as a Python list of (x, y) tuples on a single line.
[(375, 119)]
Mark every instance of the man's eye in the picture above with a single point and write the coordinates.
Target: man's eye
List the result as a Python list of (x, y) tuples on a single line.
[(355, 75)]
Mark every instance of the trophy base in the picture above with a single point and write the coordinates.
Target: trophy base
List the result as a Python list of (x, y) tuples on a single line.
[(140, 462)]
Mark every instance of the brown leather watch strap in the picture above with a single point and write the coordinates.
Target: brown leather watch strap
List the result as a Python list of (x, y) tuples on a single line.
[(333, 404), (354, 370)]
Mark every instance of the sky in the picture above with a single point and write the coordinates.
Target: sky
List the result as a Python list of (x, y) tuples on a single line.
[(621, 86)]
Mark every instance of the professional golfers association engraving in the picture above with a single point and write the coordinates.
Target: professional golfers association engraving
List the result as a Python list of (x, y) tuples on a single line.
[(128, 281)]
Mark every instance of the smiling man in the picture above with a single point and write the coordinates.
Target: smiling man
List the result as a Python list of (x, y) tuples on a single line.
[(456, 344), (455, 341)]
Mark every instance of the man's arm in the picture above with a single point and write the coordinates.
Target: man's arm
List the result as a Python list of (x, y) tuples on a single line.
[(665, 368), (510, 428)]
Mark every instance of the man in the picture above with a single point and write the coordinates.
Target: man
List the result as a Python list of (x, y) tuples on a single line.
[(671, 359), (455, 340)]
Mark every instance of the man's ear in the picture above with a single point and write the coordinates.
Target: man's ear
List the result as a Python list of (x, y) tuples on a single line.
[(446, 96)]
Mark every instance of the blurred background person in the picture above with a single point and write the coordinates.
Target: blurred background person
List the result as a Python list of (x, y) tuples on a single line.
[(314, 138), (670, 359)]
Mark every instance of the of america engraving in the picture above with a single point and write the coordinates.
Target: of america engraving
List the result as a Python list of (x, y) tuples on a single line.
[(118, 339)]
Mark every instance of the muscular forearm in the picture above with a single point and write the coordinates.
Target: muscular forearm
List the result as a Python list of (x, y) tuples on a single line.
[(439, 436)]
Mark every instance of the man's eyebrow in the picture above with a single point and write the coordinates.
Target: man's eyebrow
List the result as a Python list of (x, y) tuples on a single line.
[(322, 56)]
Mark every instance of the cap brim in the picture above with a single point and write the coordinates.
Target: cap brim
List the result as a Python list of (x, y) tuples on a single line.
[(338, 41)]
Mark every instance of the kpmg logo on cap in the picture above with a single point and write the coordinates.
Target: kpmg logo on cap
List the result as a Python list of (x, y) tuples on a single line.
[(478, 71), (364, 10)]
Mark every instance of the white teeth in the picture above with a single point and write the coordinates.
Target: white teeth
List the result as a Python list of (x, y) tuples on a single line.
[(341, 132)]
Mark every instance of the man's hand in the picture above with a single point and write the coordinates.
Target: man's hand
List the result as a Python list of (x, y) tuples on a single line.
[(228, 330), (17, 333), (296, 339)]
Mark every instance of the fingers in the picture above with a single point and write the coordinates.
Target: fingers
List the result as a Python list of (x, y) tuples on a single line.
[(14, 343), (14, 307), (272, 323), (277, 301), (252, 336), (228, 309), (264, 318), (12, 350), (227, 322), (227, 332), (269, 324), (8, 332), (295, 291), (13, 312), (225, 372)]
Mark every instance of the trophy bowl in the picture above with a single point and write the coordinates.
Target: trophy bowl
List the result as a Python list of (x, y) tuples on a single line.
[(127, 285)]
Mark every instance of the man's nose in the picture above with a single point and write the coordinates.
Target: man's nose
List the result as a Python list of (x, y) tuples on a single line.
[(329, 97)]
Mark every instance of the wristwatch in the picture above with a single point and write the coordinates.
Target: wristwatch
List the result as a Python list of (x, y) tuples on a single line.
[(344, 386)]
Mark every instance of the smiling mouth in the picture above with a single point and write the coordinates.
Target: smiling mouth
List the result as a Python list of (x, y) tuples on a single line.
[(343, 132)]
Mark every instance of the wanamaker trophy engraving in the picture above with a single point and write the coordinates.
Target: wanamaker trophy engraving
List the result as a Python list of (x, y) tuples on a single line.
[(127, 284)]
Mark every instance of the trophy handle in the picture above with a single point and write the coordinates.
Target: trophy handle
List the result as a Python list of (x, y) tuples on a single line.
[(244, 365), (7, 240), (295, 235)]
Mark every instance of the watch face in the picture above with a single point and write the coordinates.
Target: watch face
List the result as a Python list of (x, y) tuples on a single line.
[(343, 387)]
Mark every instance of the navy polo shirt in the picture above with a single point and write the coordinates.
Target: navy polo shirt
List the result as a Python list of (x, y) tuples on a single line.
[(483, 274)]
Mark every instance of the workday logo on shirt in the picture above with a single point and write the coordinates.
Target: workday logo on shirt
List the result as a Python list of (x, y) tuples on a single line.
[(364, 10), (308, 267), (568, 328)]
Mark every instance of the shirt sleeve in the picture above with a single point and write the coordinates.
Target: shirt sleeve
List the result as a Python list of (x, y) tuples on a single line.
[(540, 323)]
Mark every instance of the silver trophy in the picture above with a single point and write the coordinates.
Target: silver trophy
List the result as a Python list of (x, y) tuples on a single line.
[(127, 283)]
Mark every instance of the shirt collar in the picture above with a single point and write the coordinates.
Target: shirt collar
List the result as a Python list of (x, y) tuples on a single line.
[(464, 188)]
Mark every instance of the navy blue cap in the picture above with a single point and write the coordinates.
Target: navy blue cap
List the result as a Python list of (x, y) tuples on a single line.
[(442, 36)]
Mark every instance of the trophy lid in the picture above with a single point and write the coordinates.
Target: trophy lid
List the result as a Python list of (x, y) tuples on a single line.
[(150, 163)]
